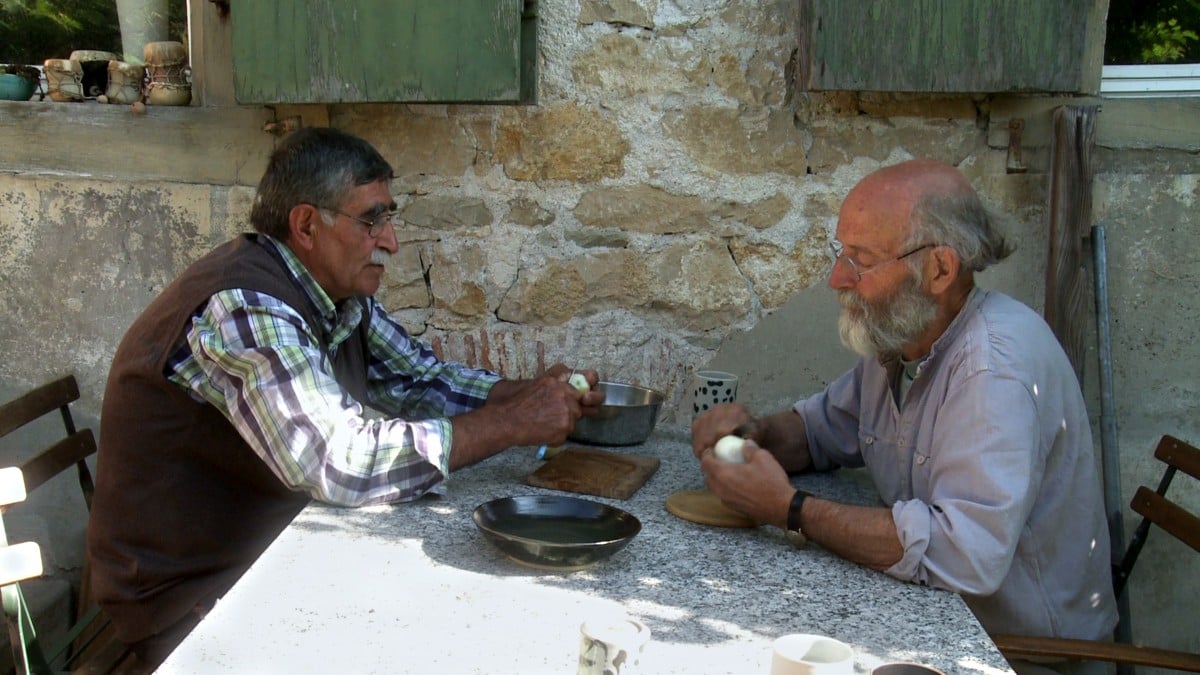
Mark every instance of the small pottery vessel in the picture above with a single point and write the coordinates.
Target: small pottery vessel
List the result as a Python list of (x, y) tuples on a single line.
[(15, 88), (64, 80), (167, 74), (94, 64), (124, 82)]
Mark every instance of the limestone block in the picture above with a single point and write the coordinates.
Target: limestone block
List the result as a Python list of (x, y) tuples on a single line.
[(621, 65), (731, 140), (776, 274), (411, 143), (700, 285), (468, 215), (560, 142), (772, 18), (761, 81), (404, 284), (458, 280), (842, 142), (561, 289), (592, 237), (624, 12), (653, 210), (527, 212)]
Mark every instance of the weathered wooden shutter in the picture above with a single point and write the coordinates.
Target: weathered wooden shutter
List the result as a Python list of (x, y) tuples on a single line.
[(952, 45), (331, 51)]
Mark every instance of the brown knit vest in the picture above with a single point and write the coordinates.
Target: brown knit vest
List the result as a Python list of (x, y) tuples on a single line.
[(183, 506)]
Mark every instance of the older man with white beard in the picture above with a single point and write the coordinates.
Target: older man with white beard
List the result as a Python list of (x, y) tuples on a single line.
[(965, 411), (241, 393)]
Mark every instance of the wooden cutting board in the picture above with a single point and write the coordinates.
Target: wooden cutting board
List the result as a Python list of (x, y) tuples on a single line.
[(595, 472), (702, 506)]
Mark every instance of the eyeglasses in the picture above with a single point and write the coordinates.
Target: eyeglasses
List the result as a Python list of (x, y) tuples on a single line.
[(837, 251), (375, 226)]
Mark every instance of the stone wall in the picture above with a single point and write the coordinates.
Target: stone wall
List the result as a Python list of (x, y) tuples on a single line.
[(665, 206)]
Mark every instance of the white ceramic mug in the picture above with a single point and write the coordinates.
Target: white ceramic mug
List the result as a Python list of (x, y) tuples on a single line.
[(905, 669), (710, 387), (612, 647), (805, 654)]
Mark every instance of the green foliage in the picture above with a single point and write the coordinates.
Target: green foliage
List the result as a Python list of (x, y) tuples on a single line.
[(32, 31), (1152, 31)]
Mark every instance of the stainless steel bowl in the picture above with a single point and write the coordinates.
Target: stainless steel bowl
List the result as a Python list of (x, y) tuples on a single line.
[(627, 416), (555, 532)]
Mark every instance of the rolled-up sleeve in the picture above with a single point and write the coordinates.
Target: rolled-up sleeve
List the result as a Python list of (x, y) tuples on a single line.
[(973, 487)]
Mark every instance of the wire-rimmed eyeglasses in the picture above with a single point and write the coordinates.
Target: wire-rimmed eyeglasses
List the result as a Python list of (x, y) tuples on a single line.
[(837, 251), (375, 226)]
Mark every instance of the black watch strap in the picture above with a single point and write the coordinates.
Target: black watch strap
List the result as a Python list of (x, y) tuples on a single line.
[(793, 516)]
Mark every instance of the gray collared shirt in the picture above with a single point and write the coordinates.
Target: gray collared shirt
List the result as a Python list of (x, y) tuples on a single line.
[(988, 469)]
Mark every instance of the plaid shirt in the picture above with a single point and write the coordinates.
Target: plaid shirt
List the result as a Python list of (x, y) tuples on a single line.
[(261, 365)]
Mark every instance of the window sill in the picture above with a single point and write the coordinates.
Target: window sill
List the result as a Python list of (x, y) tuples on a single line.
[(190, 144), (1160, 81)]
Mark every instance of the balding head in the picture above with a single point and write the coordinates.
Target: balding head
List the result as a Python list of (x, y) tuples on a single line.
[(923, 201)]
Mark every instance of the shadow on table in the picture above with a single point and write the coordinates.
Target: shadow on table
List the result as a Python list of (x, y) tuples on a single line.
[(692, 584)]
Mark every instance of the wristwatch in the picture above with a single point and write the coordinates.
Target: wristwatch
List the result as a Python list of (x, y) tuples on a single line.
[(794, 532)]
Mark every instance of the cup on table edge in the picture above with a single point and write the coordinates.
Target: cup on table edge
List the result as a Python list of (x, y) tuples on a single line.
[(710, 387), (612, 646), (905, 669), (808, 654)]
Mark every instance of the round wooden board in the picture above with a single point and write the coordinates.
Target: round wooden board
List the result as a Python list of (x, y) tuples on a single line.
[(702, 506)]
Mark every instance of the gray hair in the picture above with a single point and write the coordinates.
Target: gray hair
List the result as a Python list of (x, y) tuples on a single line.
[(313, 165), (958, 220)]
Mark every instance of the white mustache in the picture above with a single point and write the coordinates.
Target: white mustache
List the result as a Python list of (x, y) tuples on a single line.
[(380, 257)]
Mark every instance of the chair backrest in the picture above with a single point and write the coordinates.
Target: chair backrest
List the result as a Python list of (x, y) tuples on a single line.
[(1156, 508), (72, 448)]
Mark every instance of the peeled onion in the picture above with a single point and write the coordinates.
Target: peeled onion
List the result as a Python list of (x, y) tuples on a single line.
[(729, 448), (580, 383)]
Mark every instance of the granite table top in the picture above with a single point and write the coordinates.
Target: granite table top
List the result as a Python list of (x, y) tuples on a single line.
[(416, 588)]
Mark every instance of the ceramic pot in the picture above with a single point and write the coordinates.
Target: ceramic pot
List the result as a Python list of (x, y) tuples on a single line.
[(124, 82), (94, 66), (15, 88), (167, 74), (64, 80)]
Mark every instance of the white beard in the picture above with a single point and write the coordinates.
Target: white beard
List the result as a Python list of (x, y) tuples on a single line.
[(886, 327)]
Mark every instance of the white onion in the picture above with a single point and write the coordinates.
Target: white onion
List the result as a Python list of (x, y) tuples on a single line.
[(579, 382), (729, 448)]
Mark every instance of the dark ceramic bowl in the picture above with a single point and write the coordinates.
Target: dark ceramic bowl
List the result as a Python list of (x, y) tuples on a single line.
[(555, 532)]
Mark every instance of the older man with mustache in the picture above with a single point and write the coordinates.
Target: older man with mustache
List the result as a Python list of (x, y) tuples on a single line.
[(241, 393), (964, 409)]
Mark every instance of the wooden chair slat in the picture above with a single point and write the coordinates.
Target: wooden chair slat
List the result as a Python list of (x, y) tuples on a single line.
[(1181, 455), (1090, 650), (57, 458), (71, 449), (12, 486), (20, 562), (32, 405), (1173, 519), (1168, 515)]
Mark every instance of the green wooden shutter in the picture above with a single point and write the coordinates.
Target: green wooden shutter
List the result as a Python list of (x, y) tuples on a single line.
[(331, 51), (952, 45)]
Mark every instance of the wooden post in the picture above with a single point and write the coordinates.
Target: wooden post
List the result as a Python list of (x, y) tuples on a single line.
[(1070, 222)]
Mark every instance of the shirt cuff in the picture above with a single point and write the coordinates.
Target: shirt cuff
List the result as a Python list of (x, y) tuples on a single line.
[(912, 527)]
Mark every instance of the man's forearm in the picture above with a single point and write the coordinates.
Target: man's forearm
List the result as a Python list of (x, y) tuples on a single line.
[(478, 435), (862, 534), (784, 434)]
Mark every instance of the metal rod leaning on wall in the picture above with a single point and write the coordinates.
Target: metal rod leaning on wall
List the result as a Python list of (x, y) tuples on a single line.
[(1110, 455)]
